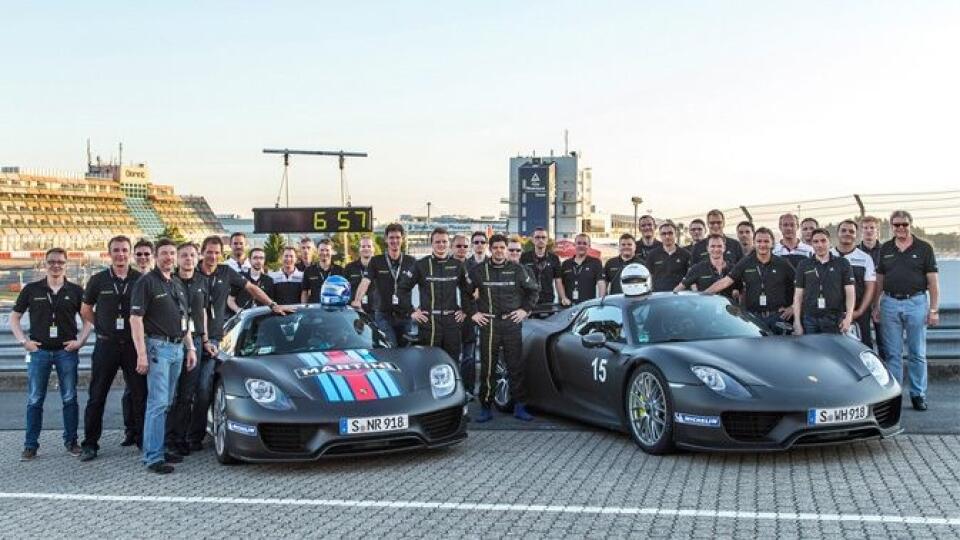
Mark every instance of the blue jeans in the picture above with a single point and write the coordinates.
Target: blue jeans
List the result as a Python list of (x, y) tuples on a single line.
[(38, 376), (164, 360), (394, 328), (910, 316)]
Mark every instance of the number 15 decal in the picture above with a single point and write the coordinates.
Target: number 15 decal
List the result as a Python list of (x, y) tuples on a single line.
[(600, 369)]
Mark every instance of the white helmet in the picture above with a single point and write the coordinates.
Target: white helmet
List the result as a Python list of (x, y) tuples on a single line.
[(635, 280)]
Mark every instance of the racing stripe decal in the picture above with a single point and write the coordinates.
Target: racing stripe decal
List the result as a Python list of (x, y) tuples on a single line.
[(372, 376), (322, 381), (385, 376), (361, 387), (345, 393)]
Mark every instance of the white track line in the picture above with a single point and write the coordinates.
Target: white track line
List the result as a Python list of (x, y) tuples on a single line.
[(488, 507)]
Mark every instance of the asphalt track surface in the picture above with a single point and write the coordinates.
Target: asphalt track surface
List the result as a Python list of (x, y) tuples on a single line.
[(548, 478)]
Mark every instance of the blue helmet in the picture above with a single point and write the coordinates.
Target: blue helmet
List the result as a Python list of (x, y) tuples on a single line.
[(335, 291)]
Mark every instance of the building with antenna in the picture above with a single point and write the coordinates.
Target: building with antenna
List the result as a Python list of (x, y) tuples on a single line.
[(553, 192), (81, 211)]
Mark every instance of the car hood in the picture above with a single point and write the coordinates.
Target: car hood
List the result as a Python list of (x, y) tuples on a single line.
[(346, 376), (785, 362)]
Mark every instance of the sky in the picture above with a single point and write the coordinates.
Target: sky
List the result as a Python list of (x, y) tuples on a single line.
[(689, 105)]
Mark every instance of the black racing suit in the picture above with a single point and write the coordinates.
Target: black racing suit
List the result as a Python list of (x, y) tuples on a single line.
[(504, 288), (439, 281)]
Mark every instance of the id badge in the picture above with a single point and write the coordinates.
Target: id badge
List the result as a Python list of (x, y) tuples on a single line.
[(54, 331), (763, 300), (183, 324), (576, 294), (363, 300), (821, 302), (396, 300), (192, 326), (120, 323)]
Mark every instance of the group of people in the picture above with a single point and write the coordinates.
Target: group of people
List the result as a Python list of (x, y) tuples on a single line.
[(159, 318)]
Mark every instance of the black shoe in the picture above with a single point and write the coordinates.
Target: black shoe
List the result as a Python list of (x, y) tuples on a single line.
[(88, 454), (160, 468), (919, 402), (172, 458), (129, 440), (73, 449), (180, 449), (28, 454), (195, 446)]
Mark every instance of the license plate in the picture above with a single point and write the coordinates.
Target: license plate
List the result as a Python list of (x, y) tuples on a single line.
[(374, 424), (839, 415)]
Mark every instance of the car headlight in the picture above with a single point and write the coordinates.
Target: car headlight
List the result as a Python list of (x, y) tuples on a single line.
[(876, 367), (720, 382), (268, 395), (442, 380)]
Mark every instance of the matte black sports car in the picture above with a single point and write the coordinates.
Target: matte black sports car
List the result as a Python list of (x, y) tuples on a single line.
[(324, 382), (696, 371)]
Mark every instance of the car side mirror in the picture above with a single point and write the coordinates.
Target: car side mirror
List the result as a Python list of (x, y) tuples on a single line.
[(594, 340)]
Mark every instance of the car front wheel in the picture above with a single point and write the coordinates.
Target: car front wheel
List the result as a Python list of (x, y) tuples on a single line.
[(220, 433), (650, 410)]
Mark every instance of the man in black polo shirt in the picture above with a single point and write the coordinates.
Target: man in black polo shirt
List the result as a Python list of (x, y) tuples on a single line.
[(824, 291), (544, 266), (614, 265), (53, 303), (582, 275), (359, 269), (106, 305), (221, 279), (766, 282), (159, 325), (255, 273), (385, 270), (198, 298), (306, 255), (906, 274), (318, 272), (715, 224), (667, 264), (705, 273), (647, 241), (698, 231), (288, 280)]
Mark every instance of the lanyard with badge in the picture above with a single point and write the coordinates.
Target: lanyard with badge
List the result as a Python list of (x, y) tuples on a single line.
[(577, 270), (54, 331), (396, 277), (120, 324), (364, 273), (821, 301), (763, 291), (185, 321)]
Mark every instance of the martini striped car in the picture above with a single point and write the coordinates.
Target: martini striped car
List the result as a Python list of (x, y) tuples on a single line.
[(323, 381)]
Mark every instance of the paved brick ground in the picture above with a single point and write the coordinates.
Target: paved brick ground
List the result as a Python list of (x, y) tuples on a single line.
[(911, 476)]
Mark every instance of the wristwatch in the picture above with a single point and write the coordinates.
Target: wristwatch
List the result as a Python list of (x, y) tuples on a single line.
[(934, 311), (22, 342), (273, 305)]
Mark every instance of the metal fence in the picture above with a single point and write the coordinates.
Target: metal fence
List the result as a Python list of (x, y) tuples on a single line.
[(934, 212)]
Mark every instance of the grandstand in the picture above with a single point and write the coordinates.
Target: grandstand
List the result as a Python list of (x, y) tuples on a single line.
[(39, 210)]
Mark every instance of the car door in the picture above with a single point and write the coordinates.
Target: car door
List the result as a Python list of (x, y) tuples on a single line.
[(584, 373)]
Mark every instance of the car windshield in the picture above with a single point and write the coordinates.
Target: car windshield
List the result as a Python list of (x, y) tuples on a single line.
[(690, 318), (309, 330)]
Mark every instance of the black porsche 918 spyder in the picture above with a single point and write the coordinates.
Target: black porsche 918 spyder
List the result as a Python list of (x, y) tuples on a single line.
[(323, 381), (696, 371)]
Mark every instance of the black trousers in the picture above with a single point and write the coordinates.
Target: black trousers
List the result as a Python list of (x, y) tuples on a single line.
[(109, 356), (442, 331), (187, 418), (500, 336), (863, 323), (126, 404)]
